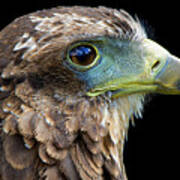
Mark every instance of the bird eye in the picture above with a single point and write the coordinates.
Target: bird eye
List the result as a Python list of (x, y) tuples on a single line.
[(83, 55)]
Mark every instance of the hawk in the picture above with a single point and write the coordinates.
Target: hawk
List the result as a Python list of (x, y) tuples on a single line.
[(71, 80)]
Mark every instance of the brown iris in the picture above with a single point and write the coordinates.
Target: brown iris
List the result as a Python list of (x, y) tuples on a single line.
[(83, 55)]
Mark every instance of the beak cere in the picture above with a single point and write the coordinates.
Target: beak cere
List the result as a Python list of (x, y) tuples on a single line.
[(168, 78)]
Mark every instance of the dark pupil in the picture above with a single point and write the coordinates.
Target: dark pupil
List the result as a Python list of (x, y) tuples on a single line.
[(83, 55)]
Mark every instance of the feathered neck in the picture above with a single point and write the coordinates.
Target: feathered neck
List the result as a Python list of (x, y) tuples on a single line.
[(115, 118), (79, 128)]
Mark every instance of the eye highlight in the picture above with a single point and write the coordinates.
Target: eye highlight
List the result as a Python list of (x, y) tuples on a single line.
[(83, 55)]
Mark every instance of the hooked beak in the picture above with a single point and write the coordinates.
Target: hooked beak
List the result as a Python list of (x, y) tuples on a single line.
[(168, 78)]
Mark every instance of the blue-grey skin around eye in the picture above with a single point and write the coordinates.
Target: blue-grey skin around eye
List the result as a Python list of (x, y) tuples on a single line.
[(116, 60)]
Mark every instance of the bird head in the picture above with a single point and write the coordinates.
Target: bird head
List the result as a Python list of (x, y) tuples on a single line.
[(71, 78), (101, 51)]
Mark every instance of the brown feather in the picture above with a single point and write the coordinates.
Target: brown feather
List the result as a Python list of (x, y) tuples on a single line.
[(49, 128)]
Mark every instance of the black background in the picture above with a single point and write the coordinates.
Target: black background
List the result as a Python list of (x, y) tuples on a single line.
[(152, 151)]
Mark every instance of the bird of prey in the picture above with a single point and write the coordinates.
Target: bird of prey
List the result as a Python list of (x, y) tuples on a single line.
[(72, 78)]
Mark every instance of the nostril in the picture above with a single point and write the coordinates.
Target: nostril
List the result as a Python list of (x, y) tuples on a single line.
[(155, 65)]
